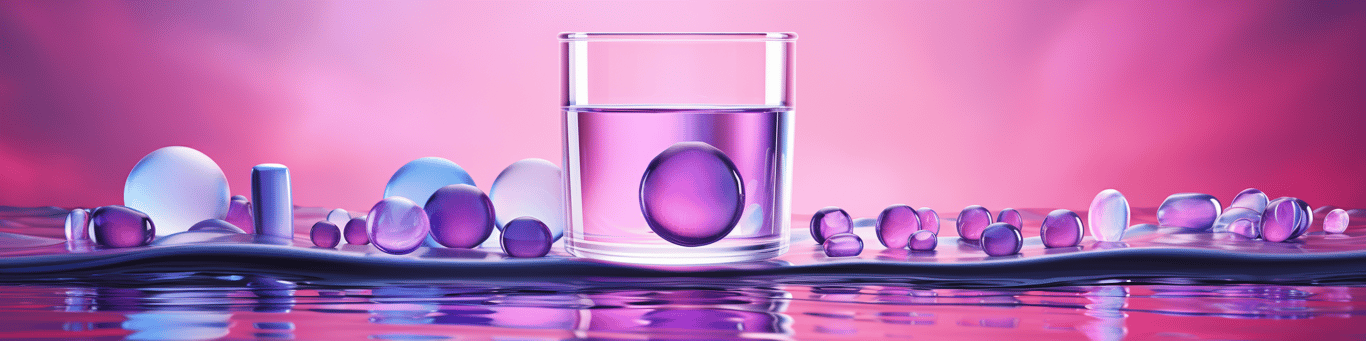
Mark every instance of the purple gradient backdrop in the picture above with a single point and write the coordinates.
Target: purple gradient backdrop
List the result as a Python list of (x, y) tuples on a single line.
[(928, 103)]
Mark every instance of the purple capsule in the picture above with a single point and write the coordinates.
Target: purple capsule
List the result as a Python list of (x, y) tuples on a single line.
[(971, 221), (78, 226), (1307, 213), (1336, 221), (1109, 216), (929, 220), (1010, 216), (120, 226), (1061, 228), (1001, 239), (355, 232), (397, 225), (843, 245), (1250, 198), (1226, 219), (239, 214), (215, 225), (526, 237), (923, 240), (1196, 211), (895, 226), (461, 216), (325, 234), (1283, 219), (692, 194), (830, 221)]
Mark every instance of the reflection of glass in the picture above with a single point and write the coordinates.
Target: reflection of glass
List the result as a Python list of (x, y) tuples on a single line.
[(630, 96), (705, 314)]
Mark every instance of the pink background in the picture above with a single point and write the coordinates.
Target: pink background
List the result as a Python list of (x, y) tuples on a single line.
[(929, 103)]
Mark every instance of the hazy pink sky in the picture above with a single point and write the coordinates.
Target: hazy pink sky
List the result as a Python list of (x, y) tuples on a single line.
[(928, 103)]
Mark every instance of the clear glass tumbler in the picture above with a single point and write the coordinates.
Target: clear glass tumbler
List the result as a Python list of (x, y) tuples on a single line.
[(678, 146)]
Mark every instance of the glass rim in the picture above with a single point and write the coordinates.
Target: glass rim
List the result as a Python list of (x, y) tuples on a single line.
[(678, 36)]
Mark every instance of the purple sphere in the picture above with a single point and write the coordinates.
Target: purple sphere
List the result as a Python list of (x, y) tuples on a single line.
[(461, 216), (1283, 220), (120, 226), (692, 194), (1001, 239), (239, 214), (1251, 229), (830, 221), (843, 245), (325, 234), (1196, 211), (1336, 221), (923, 240), (971, 221), (397, 225), (526, 237), (1061, 228), (1250, 198), (1010, 216), (929, 220), (895, 226), (355, 232)]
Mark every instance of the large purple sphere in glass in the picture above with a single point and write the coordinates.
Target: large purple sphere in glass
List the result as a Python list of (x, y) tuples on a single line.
[(325, 234), (1196, 211), (239, 214), (1001, 239), (355, 232), (830, 221), (923, 240), (1250, 198), (1251, 229), (843, 245), (1010, 216), (1061, 228), (1283, 219), (1336, 221), (120, 226), (461, 216), (1109, 216), (971, 221), (397, 225), (929, 220), (895, 226), (692, 194), (526, 237)]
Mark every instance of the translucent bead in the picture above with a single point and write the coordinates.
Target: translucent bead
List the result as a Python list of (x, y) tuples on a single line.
[(1109, 216), (1196, 211), (1250, 198), (1010, 216), (530, 188), (338, 217), (971, 221), (1001, 239), (923, 240), (177, 187), (1336, 221), (78, 226), (692, 194), (895, 226), (1282, 219), (325, 234), (461, 216), (397, 225), (526, 237), (843, 245), (120, 226), (1061, 228), (216, 225), (355, 232), (1251, 229), (830, 221), (239, 214), (929, 220), (418, 179), (1308, 214)]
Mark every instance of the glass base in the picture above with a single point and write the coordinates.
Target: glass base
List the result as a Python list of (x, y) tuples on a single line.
[(724, 251)]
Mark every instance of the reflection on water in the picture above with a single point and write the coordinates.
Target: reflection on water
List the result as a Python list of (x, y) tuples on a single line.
[(259, 307)]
